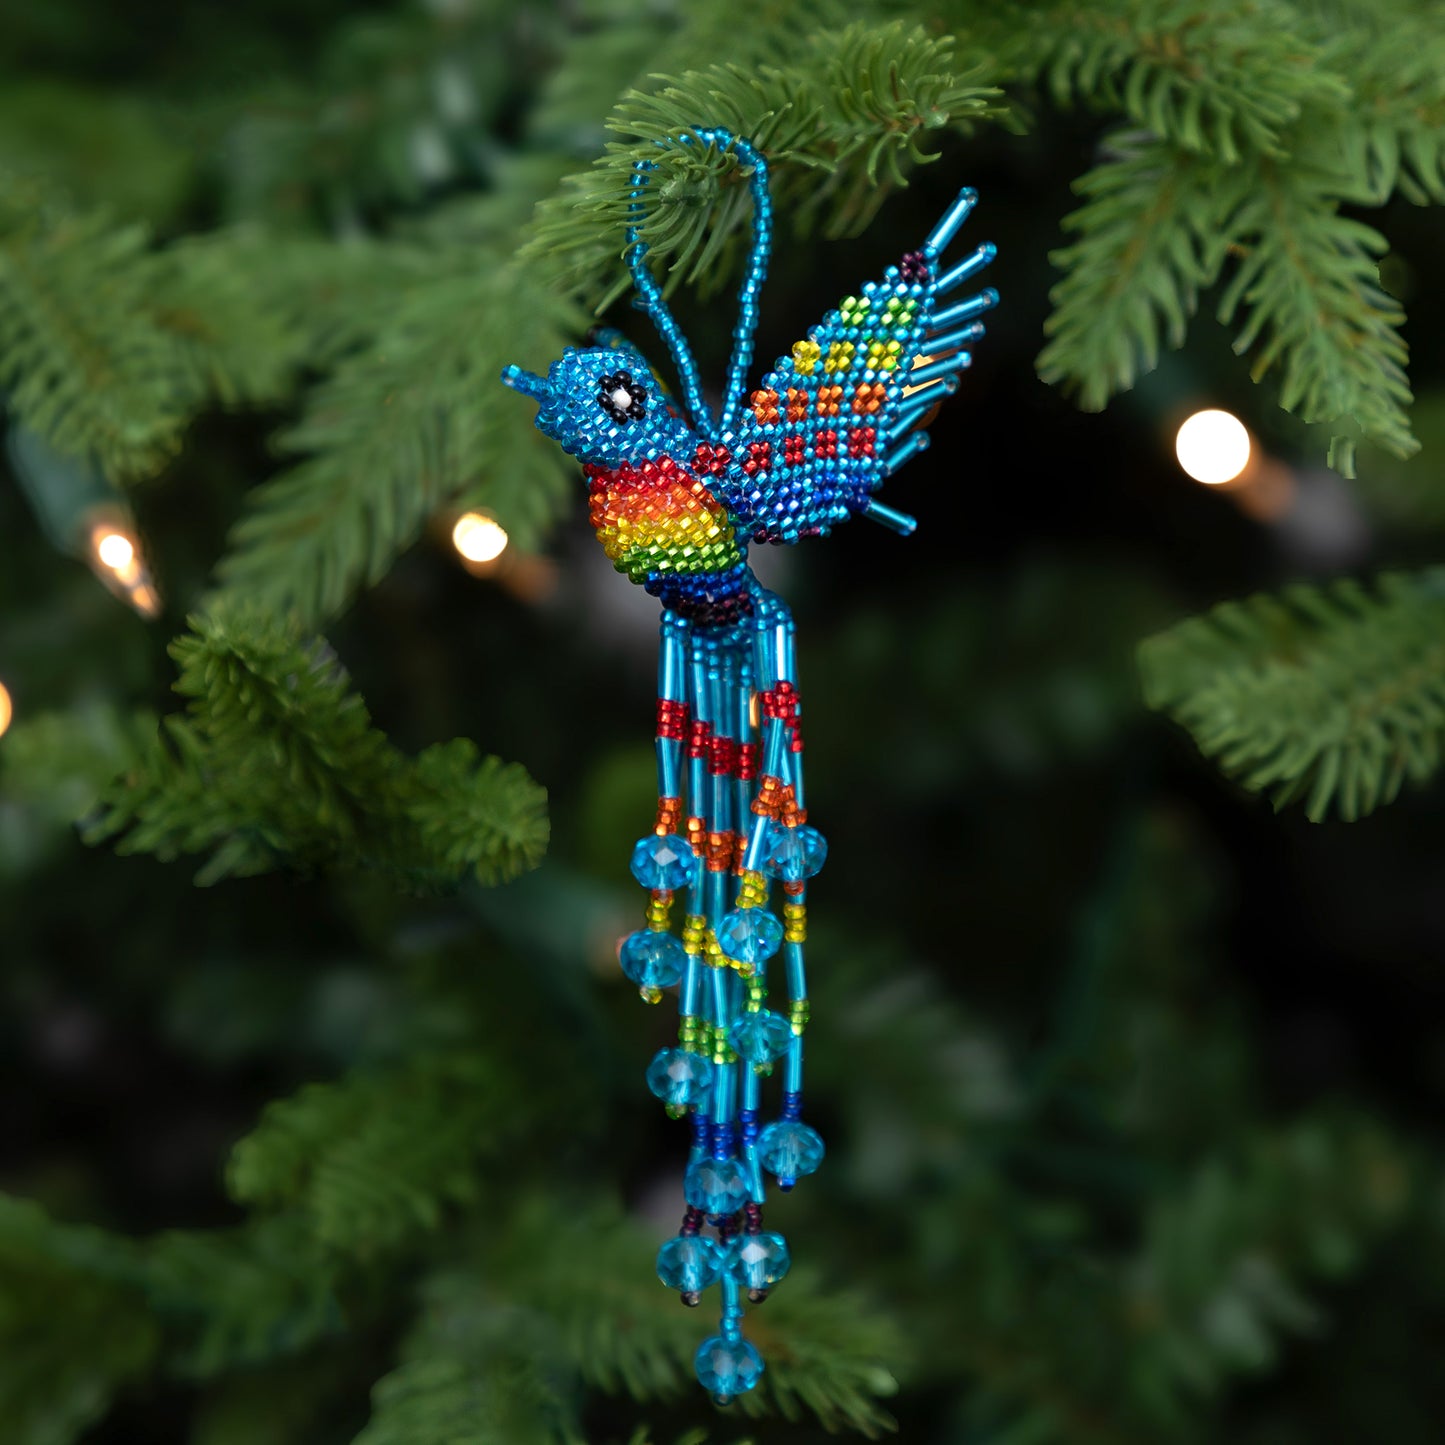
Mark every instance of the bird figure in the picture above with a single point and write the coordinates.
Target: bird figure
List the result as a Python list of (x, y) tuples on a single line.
[(677, 495)]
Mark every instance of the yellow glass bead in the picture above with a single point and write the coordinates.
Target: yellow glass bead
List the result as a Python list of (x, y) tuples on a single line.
[(798, 1014), (805, 357), (650, 995), (694, 933)]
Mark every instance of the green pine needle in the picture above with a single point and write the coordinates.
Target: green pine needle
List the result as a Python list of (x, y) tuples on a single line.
[(1335, 695), (414, 422), (276, 762), (1147, 245), (378, 1156)]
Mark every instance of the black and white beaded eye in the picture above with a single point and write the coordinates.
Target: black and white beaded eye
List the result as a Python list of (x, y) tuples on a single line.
[(622, 398)]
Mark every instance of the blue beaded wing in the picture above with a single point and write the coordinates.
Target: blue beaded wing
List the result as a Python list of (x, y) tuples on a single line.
[(842, 412)]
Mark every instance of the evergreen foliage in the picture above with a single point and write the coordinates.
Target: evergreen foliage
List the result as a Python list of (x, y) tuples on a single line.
[(276, 762), (1331, 694), (258, 288)]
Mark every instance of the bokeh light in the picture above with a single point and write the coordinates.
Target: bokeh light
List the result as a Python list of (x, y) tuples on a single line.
[(115, 550), (479, 538), (1213, 447)]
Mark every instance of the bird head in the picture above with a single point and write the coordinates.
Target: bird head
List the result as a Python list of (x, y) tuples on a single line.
[(602, 404)]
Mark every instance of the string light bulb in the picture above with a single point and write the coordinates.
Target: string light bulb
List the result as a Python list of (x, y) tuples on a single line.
[(115, 557), (1213, 447), (479, 537), (7, 709)]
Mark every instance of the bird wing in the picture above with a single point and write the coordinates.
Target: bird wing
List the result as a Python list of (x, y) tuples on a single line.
[(840, 413)]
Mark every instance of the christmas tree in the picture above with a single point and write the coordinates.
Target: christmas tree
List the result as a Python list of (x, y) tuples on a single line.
[(322, 1083)]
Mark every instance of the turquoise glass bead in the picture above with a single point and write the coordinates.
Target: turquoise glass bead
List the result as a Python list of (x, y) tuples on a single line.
[(716, 1186), (793, 854), (678, 1077), (749, 935), (790, 1149), (727, 1368), (689, 1264), (651, 959), (761, 1037), (758, 1262), (666, 862)]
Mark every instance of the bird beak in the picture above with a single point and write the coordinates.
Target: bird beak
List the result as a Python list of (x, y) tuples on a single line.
[(527, 382)]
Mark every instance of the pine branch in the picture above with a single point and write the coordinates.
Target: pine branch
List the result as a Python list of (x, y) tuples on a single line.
[(1219, 1277), (377, 1156), (1392, 138), (1148, 242), (414, 422), (1228, 80), (74, 1327), (82, 357), (1336, 694), (276, 761), (238, 1298), (1312, 306), (109, 346), (840, 125)]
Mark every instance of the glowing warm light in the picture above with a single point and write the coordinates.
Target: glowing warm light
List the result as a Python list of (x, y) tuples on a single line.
[(116, 551), (1213, 447), (116, 559), (7, 710), (479, 538), (146, 600)]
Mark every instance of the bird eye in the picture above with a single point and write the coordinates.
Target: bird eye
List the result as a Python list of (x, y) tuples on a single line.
[(622, 398)]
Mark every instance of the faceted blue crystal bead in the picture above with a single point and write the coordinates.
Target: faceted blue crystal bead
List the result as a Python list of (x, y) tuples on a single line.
[(689, 1264), (789, 1149), (727, 1368), (793, 854), (758, 1262), (749, 935), (716, 1186), (664, 862), (761, 1037), (678, 1077), (651, 959)]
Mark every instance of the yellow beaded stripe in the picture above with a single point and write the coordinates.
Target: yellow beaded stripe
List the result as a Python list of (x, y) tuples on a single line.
[(659, 911), (752, 891), (795, 922), (798, 1015), (694, 933)]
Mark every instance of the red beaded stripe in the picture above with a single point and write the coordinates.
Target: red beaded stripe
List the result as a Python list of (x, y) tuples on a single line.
[(671, 719)]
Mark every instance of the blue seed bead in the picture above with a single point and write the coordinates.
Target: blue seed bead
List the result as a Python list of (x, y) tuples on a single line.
[(689, 1264), (727, 1368), (678, 1077), (789, 1149), (651, 959), (664, 862), (749, 935), (793, 854), (761, 1037), (716, 1186), (758, 1262)]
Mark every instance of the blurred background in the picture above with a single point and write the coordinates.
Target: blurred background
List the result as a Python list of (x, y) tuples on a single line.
[(1133, 1087)]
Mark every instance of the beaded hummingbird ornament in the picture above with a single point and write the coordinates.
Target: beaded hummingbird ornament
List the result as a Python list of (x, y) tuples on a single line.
[(677, 494)]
